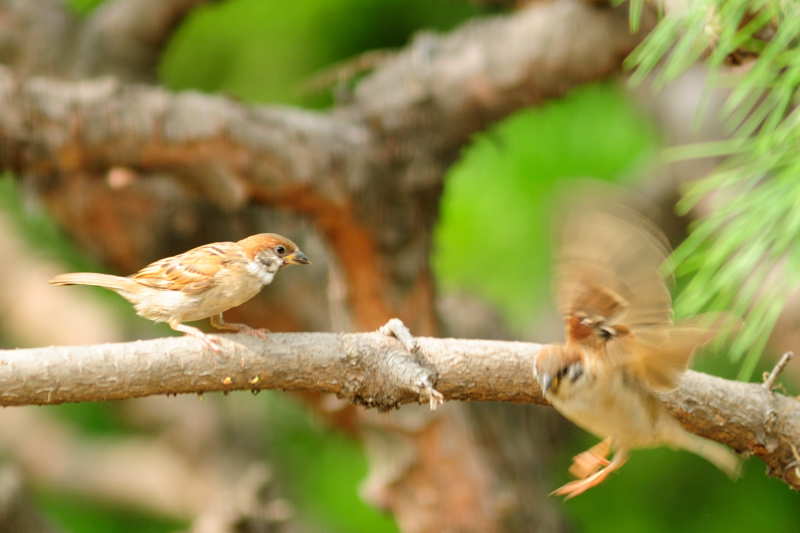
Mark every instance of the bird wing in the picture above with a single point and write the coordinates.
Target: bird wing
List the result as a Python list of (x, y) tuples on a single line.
[(191, 272), (608, 266), (662, 365)]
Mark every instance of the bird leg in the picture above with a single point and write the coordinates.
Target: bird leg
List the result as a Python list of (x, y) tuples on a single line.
[(587, 463), (574, 488), (219, 323), (207, 340)]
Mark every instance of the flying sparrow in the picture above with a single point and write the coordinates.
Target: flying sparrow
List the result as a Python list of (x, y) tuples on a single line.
[(621, 344), (201, 283)]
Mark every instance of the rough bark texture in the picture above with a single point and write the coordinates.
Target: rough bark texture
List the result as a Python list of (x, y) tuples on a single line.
[(367, 369), (374, 370)]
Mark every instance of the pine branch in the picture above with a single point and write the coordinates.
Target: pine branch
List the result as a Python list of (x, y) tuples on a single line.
[(741, 256), (375, 370)]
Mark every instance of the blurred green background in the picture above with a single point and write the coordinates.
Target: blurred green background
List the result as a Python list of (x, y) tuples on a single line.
[(498, 194)]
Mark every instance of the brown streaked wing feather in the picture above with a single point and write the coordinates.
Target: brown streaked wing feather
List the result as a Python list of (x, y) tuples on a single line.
[(623, 350), (192, 272), (661, 366), (608, 265), (590, 293)]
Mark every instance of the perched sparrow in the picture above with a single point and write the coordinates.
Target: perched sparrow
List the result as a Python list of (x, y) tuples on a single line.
[(203, 282), (621, 344)]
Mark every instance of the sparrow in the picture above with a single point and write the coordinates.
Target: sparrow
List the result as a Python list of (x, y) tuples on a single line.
[(203, 282), (621, 343)]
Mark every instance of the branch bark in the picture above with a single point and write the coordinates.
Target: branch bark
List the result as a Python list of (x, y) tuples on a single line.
[(374, 370), (121, 38)]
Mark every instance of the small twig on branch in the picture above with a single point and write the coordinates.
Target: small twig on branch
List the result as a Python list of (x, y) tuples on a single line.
[(769, 382), (425, 379)]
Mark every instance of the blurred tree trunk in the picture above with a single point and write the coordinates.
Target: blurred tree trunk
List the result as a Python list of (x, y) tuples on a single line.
[(135, 173)]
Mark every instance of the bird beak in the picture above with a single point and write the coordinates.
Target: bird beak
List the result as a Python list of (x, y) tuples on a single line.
[(545, 382), (297, 258)]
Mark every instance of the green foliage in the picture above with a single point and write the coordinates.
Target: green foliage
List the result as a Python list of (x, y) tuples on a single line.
[(744, 255), (34, 224), (493, 236), (74, 513), (84, 6), (264, 51), (322, 469), (93, 419), (639, 498)]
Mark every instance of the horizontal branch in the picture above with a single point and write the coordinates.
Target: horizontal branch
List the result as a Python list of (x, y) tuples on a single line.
[(366, 368), (375, 370)]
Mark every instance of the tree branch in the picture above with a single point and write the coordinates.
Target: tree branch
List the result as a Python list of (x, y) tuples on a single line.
[(374, 370), (441, 89), (126, 38)]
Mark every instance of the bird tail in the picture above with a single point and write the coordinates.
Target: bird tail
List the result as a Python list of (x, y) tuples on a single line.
[(715, 453), (115, 283)]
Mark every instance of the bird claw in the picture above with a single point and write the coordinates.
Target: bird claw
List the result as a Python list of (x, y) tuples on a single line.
[(208, 341), (261, 333), (212, 343), (592, 460), (574, 488), (219, 323)]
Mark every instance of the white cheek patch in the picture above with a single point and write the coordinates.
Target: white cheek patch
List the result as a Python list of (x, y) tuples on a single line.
[(254, 268), (257, 269)]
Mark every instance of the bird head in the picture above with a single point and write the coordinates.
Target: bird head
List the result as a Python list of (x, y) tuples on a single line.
[(557, 369), (273, 251)]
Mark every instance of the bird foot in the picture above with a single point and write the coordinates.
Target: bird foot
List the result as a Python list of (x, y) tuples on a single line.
[(592, 460), (574, 488), (210, 342), (219, 323), (261, 333)]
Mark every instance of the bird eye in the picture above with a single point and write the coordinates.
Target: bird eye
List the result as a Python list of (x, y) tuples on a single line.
[(575, 372), (280, 249)]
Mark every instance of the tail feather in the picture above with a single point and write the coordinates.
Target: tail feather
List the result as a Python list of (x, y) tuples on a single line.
[(115, 283), (715, 453)]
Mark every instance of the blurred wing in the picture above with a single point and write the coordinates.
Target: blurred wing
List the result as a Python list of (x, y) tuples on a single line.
[(191, 272), (608, 266), (662, 365)]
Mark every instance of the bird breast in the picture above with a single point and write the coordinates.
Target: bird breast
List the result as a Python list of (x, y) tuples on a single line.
[(232, 286), (614, 407)]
